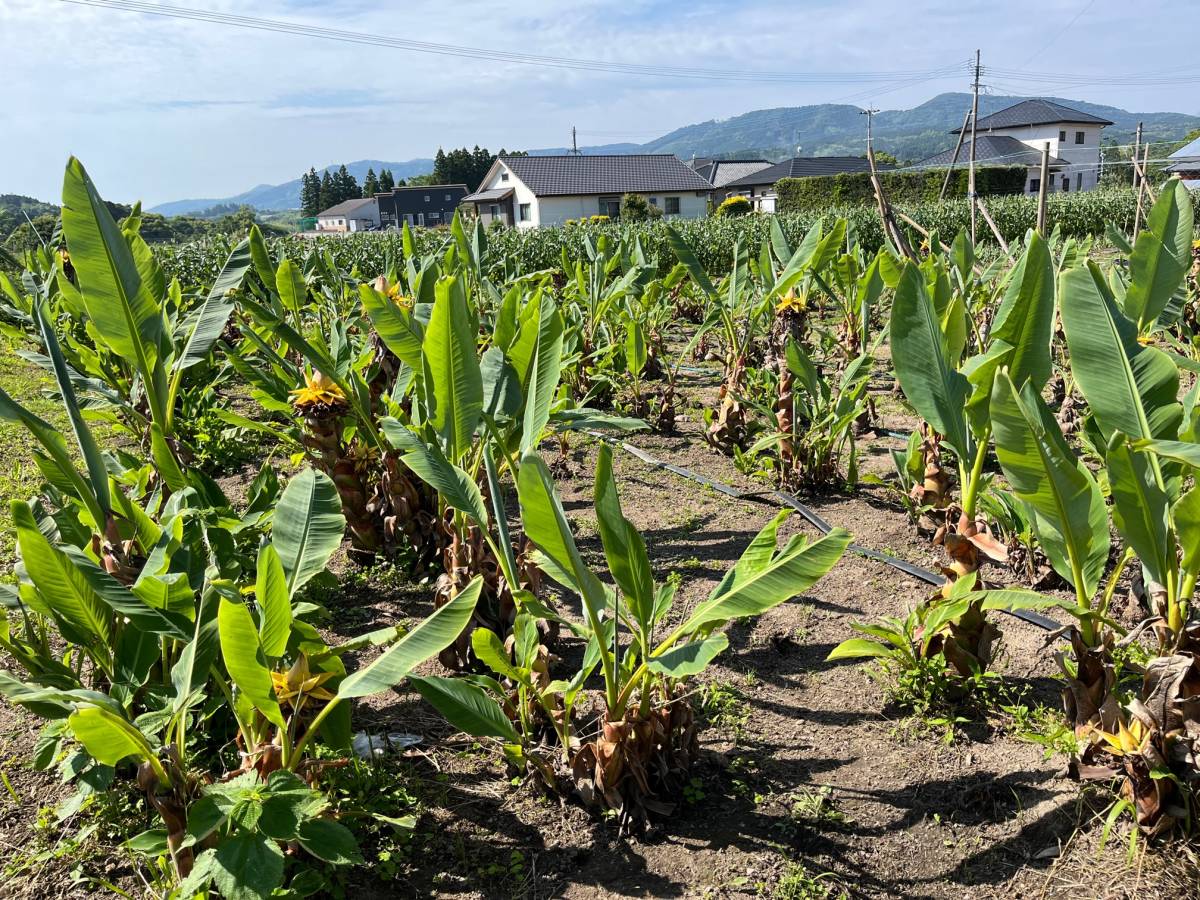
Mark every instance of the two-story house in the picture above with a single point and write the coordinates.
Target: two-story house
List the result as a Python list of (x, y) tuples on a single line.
[(429, 205), (529, 191), (1016, 135)]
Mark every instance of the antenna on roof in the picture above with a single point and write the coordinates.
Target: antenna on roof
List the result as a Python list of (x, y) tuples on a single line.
[(574, 145)]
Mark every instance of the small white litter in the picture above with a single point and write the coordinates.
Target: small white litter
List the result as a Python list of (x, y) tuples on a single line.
[(367, 746)]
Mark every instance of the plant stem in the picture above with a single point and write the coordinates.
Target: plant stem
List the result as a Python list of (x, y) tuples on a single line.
[(971, 488)]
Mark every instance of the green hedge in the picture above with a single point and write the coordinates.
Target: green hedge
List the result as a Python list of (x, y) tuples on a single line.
[(801, 194)]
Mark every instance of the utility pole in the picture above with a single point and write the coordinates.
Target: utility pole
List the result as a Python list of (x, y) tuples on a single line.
[(1042, 187), (869, 113), (574, 145), (1137, 146), (974, 132)]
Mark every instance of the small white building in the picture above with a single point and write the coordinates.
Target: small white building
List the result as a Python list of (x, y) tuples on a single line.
[(531, 191), (1016, 135), (1185, 162), (350, 215)]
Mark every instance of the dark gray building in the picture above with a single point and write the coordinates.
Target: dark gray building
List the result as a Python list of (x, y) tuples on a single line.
[(428, 205)]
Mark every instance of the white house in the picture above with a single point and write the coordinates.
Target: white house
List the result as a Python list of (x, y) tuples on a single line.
[(1016, 135), (350, 215), (530, 191), (1185, 162)]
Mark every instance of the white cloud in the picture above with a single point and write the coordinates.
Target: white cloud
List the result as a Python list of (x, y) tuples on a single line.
[(163, 108)]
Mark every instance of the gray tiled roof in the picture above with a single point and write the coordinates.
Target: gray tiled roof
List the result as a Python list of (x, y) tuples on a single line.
[(639, 173), (1188, 153), (345, 208), (485, 196), (993, 150), (1036, 112), (806, 167), (724, 171)]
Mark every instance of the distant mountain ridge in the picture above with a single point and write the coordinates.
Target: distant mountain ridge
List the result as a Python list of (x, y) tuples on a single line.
[(825, 129), (275, 197)]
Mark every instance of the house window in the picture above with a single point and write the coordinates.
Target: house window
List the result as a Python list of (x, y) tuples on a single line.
[(1079, 137), (1079, 181), (435, 217), (1062, 137), (494, 210), (447, 198), (426, 198), (421, 219), (654, 201), (1035, 184), (1066, 181), (523, 211), (504, 176), (610, 206), (671, 206)]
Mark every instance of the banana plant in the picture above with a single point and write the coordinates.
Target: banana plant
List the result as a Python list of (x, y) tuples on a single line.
[(814, 415), (141, 340), (635, 756), (930, 334)]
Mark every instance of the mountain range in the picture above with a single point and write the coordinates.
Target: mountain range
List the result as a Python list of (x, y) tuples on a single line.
[(826, 129)]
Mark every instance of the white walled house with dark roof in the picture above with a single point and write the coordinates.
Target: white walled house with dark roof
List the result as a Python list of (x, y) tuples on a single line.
[(1016, 134), (1185, 162), (723, 171), (759, 186), (350, 215), (532, 191)]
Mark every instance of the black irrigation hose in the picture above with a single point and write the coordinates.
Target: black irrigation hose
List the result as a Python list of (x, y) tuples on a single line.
[(817, 522)]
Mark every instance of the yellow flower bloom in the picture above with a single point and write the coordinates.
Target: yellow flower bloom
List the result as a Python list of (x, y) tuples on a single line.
[(398, 298), (297, 684), (318, 388), (1128, 741), (791, 302)]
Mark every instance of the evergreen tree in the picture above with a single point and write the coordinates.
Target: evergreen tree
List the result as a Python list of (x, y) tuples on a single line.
[(386, 182), (310, 193), (370, 184), (346, 185), (328, 191)]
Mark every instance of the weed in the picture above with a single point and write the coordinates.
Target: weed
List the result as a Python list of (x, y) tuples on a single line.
[(798, 884), (722, 706)]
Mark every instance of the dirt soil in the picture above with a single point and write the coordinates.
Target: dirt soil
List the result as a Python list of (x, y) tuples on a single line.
[(810, 785)]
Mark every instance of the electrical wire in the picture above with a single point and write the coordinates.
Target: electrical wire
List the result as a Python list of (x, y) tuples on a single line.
[(559, 62)]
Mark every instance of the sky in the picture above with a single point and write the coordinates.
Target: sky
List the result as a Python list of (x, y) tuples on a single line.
[(163, 108)]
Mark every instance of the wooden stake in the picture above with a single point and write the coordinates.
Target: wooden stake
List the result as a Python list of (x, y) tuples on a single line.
[(962, 133), (1140, 174), (890, 229), (1042, 188), (987, 217)]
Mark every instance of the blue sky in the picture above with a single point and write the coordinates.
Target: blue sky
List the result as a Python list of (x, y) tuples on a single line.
[(161, 109)]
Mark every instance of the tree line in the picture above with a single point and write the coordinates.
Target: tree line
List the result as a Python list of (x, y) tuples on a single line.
[(465, 166), (319, 192)]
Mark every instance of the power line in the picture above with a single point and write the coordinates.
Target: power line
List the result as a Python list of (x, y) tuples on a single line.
[(1058, 31), (354, 37)]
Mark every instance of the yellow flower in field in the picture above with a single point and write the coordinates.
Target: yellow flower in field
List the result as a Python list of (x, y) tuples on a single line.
[(318, 388), (1128, 740), (791, 302), (297, 684), (398, 298)]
